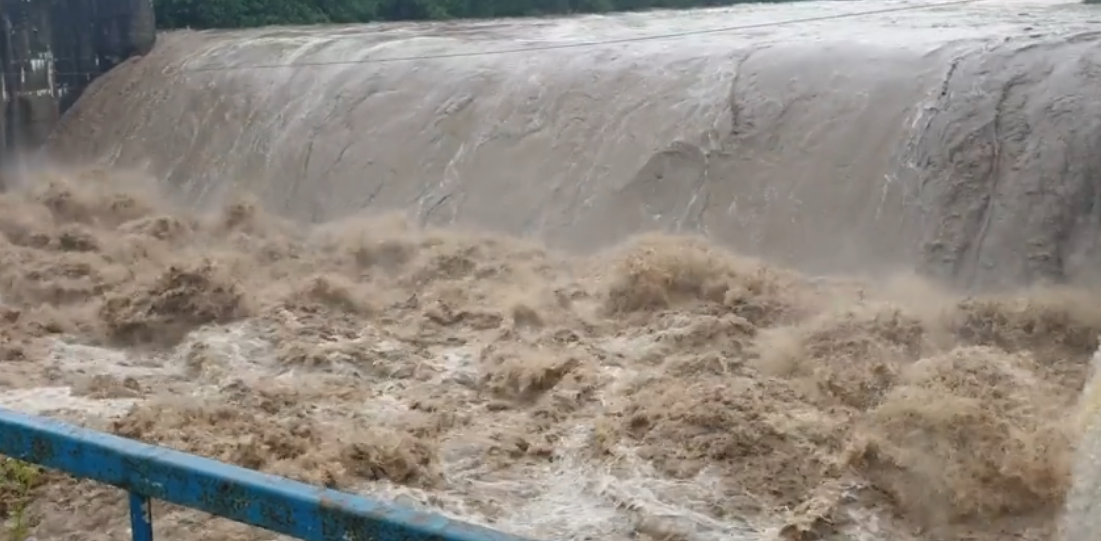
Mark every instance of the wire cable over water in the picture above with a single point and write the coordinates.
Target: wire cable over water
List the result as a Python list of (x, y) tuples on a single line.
[(476, 363), (596, 43)]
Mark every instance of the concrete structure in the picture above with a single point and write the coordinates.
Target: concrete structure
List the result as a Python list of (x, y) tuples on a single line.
[(52, 49)]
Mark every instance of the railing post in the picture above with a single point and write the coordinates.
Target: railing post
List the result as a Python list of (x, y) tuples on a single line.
[(148, 472), (141, 517)]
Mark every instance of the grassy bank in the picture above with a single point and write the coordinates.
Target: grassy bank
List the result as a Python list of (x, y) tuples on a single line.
[(17, 483)]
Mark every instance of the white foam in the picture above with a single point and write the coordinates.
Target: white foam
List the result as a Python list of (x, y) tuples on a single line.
[(50, 400)]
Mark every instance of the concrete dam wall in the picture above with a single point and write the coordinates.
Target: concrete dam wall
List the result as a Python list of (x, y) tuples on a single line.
[(52, 49)]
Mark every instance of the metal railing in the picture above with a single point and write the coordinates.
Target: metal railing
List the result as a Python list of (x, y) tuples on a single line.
[(274, 503)]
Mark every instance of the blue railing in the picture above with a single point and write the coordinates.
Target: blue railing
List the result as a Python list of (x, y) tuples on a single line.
[(288, 507)]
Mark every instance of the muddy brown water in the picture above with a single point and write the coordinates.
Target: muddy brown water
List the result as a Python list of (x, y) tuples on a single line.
[(960, 139), (523, 376)]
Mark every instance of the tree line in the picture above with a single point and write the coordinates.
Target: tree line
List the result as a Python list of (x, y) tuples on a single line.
[(251, 13)]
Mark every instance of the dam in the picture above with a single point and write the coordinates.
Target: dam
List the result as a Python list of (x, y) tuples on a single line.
[(811, 271), (675, 134), (52, 50)]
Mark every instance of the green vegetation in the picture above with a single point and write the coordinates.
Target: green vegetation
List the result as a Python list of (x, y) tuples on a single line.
[(249, 13), (17, 481)]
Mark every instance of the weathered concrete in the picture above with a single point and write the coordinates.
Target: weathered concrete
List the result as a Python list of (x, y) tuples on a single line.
[(52, 49)]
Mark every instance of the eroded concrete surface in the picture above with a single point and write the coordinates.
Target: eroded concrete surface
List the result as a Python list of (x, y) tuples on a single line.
[(51, 49)]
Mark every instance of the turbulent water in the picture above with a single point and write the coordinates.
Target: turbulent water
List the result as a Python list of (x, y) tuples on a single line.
[(960, 139), (432, 278)]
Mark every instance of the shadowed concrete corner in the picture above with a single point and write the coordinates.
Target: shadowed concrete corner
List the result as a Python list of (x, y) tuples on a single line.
[(52, 49)]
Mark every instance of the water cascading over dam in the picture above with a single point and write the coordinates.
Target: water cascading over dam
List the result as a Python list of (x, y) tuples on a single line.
[(959, 139), (588, 382)]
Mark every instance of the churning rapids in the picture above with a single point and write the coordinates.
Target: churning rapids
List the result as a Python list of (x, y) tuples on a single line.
[(705, 288)]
